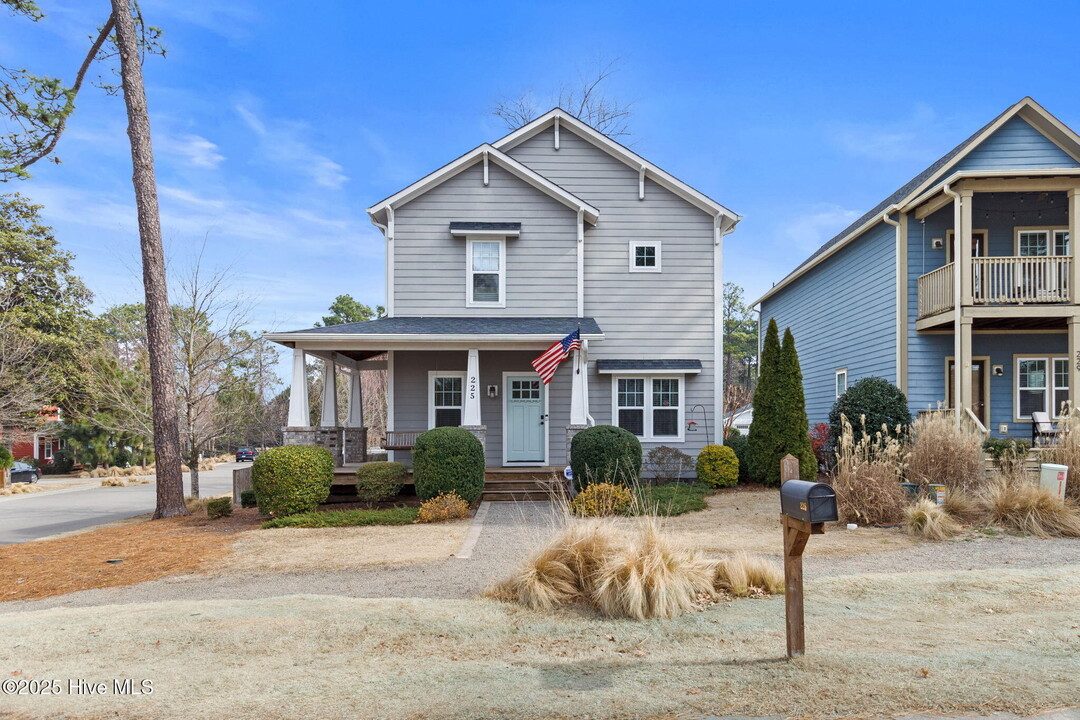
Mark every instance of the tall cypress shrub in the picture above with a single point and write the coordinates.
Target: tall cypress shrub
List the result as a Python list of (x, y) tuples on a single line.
[(794, 426), (764, 429)]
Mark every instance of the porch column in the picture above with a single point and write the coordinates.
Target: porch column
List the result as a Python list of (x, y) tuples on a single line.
[(299, 412), (963, 239), (1074, 243), (470, 411), (329, 395), (579, 391), (963, 364), (355, 416), (1074, 363)]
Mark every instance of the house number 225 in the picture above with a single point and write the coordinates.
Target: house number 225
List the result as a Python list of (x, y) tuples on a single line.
[(473, 386)]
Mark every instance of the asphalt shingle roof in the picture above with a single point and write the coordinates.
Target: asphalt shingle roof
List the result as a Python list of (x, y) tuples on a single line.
[(461, 326)]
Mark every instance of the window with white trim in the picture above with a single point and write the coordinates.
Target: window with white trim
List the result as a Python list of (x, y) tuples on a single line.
[(1040, 242), (841, 382), (645, 256), (485, 286), (649, 407), (1042, 385), (447, 398), (48, 450)]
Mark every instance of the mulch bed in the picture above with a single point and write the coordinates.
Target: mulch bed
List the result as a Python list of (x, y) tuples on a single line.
[(149, 549)]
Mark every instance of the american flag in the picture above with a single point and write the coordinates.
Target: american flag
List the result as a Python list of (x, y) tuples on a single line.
[(548, 363)]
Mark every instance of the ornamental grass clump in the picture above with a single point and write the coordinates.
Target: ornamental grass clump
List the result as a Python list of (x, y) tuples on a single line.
[(928, 520), (1066, 449), (868, 474), (743, 575), (1019, 504), (941, 452), (964, 506)]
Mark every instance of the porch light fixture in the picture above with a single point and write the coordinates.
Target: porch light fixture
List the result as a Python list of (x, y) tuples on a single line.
[(493, 391), (999, 370)]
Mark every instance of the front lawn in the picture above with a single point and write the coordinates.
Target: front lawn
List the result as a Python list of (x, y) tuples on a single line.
[(345, 518), (671, 499)]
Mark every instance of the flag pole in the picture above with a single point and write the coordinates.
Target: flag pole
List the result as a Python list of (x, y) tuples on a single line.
[(578, 351)]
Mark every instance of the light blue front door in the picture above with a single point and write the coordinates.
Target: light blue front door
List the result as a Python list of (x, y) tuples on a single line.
[(525, 422)]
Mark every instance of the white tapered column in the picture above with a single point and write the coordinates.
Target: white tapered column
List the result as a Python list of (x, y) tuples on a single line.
[(299, 412), (470, 413), (579, 391), (329, 395), (355, 417)]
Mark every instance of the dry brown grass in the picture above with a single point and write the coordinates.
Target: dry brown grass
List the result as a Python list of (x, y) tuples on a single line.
[(1019, 504), (445, 506), (150, 549), (21, 489), (1066, 450), (867, 478), (629, 570), (940, 452), (927, 520), (964, 506)]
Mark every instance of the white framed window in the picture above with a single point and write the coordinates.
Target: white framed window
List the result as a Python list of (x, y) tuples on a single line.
[(485, 277), (1041, 242), (841, 382), (1042, 385), (645, 256), (650, 407), (446, 398), (49, 448)]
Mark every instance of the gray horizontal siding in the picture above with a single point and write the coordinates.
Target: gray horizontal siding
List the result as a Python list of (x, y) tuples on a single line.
[(842, 314), (429, 263)]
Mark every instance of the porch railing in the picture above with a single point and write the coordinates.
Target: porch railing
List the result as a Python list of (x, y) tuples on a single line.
[(1019, 280), (936, 291)]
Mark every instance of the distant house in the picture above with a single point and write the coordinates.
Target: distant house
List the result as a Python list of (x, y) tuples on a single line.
[(962, 287), (495, 256), (740, 419), (41, 443)]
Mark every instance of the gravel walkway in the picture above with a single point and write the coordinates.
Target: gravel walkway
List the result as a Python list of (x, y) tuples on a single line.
[(510, 531)]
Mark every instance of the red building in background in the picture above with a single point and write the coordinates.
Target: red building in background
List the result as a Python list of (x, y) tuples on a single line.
[(40, 444)]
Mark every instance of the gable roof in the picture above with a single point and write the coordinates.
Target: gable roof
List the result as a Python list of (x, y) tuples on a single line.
[(618, 151), (492, 154), (1027, 109)]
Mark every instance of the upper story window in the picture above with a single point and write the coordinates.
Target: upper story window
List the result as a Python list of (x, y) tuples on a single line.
[(644, 256), (485, 284), (1040, 242)]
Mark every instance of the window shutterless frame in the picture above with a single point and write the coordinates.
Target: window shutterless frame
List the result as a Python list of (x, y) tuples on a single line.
[(653, 403), (446, 391), (485, 272), (840, 385), (1039, 376), (645, 256), (1050, 240)]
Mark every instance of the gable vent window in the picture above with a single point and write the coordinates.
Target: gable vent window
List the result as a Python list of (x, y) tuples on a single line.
[(644, 256)]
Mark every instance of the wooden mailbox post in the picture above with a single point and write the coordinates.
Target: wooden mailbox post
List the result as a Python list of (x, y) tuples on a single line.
[(797, 530)]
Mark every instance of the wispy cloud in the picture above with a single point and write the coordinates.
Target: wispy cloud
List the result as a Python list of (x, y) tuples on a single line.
[(285, 143), (809, 230), (192, 150), (891, 141)]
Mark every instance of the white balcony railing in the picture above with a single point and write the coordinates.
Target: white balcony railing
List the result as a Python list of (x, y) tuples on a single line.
[(936, 291), (1019, 280)]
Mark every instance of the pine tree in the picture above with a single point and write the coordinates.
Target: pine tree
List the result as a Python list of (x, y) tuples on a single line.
[(794, 426), (765, 428)]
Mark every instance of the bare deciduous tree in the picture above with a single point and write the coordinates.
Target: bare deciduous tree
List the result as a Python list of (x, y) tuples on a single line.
[(23, 373), (586, 100)]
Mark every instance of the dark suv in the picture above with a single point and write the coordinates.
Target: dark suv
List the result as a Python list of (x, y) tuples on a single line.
[(245, 455)]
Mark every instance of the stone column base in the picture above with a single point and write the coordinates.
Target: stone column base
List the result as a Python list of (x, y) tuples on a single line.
[(571, 431), (355, 444), (320, 436), (480, 431)]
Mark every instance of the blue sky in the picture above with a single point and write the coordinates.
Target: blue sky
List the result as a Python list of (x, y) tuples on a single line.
[(275, 127)]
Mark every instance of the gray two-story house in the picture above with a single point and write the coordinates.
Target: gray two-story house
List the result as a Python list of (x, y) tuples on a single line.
[(963, 278), (509, 248)]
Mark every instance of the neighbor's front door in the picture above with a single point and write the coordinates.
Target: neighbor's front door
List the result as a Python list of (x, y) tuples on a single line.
[(978, 389), (525, 426)]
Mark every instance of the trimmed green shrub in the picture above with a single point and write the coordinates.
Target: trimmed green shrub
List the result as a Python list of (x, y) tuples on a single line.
[(346, 518), (718, 466), (219, 508), (737, 442), (247, 499), (605, 454), (6, 458), (448, 459), (876, 399), (378, 481), (61, 464), (291, 479)]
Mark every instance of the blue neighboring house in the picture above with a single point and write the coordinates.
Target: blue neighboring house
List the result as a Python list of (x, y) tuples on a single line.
[(971, 259)]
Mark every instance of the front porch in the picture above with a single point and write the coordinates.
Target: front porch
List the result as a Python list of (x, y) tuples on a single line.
[(500, 484)]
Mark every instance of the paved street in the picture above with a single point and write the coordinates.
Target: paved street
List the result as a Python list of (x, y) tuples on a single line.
[(28, 517)]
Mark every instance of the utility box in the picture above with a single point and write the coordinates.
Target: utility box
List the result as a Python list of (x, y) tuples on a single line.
[(1052, 478), (810, 502)]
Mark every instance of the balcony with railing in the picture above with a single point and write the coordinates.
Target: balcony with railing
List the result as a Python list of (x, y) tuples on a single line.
[(1011, 280)]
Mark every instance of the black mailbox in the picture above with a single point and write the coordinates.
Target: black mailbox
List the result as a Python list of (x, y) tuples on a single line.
[(808, 501)]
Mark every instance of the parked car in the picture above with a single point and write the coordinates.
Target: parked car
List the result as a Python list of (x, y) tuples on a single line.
[(23, 472), (245, 455)]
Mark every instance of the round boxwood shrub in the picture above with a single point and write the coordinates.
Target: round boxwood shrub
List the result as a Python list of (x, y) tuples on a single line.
[(448, 459), (291, 479), (874, 398), (605, 454), (378, 481), (718, 466)]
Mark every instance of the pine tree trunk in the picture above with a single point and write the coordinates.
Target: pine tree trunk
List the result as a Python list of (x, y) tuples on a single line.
[(193, 463), (170, 481)]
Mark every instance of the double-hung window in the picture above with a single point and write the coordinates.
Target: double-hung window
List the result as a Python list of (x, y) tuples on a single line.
[(446, 395), (485, 280), (650, 407), (1042, 385), (1041, 242)]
